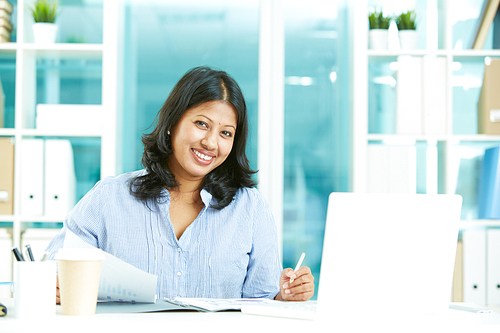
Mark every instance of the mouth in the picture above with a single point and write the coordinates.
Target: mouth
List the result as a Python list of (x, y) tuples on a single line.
[(203, 158)]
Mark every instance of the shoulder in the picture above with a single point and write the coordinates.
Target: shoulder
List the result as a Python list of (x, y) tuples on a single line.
[(250, 196), (114, 185), (122, 180), (250, 200)]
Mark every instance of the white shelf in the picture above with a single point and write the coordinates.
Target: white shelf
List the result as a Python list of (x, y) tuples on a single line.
[(56, 50), (453, 53), (8, 49), (470, 224), (7, 132), (7, 218), (394, 138), (397, 53), (64, 50), (61, 133)]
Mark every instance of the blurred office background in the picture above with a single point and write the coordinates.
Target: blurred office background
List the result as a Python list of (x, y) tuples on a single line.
[(160, 40)]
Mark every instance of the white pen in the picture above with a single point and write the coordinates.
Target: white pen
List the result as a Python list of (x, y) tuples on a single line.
[(299, 263)]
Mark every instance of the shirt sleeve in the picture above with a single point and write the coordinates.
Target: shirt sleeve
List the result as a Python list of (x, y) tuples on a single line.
[(264, 267), (82, 220)]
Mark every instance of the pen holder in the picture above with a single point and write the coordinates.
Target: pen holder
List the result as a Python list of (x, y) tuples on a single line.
[(34, 289)]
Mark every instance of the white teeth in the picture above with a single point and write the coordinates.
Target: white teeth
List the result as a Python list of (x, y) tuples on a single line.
[(202, 156)]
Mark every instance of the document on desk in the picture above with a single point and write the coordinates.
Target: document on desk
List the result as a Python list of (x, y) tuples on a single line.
[(120, 281), (217, 304)]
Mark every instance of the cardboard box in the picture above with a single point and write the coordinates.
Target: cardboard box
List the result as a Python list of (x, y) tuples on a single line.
[(488, 106), (6, 176)]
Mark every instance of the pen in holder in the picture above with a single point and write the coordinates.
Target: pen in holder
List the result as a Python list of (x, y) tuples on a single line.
[(34, 289)]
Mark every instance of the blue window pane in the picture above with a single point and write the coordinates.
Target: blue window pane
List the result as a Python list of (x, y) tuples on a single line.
[(164, 39), (316, 124)]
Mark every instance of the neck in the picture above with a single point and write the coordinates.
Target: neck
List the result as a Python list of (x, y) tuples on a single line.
[(187, 192)]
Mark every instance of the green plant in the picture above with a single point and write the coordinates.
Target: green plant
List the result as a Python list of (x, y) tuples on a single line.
[(407, 20), (378, 20), (44, 11)]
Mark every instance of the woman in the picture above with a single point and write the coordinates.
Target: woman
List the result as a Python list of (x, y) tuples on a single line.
[(192, 216)]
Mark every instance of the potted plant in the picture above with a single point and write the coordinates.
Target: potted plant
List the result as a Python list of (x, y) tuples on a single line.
[(407, 30), (379, 29), (44, 14)]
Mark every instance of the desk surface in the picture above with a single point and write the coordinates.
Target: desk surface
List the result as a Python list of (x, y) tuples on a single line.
[(189, 321)]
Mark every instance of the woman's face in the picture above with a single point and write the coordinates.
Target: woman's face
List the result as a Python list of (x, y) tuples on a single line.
[(202, 140)]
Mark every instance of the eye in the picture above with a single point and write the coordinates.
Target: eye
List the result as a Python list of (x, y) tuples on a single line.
[(201, 124), (227, 134)]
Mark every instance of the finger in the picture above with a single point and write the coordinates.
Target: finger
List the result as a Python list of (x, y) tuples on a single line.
[(303, 279), (300, 289), (298, 297), (304, 270), (285, 274)]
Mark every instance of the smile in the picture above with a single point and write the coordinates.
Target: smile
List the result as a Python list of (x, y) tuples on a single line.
[(203, 156)]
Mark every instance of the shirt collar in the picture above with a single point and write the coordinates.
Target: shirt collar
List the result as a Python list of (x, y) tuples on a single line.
[(206, 197)]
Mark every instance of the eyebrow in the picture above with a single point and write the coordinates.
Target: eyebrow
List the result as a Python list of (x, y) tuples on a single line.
[(202, 115)]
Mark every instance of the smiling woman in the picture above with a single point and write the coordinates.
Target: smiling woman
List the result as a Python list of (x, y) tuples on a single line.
[(192, 216), (212, 102)]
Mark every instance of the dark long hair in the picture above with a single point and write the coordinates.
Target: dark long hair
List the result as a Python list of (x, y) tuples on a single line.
[(198, 86)]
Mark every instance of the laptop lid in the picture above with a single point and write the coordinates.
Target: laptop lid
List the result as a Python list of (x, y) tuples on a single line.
[(388, 253)]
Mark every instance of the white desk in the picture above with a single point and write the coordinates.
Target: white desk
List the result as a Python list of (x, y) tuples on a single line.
[(452, 321)]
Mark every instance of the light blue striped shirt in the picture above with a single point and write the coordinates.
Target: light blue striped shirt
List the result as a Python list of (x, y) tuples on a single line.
[(228, 253)]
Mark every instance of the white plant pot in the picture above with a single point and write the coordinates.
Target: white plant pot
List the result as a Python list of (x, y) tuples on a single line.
[(45, 33), (378, 39), (408, 39)]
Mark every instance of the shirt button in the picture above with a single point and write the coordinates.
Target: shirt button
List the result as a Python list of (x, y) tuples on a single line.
[(178, 249), (179, 273)]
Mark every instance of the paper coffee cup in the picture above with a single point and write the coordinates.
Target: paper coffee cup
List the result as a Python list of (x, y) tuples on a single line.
[(79, 275)]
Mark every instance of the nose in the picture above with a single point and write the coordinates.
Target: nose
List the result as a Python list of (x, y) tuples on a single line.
[(209, 142)]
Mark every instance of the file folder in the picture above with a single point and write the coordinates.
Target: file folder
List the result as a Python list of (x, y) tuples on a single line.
[(409, 95), (488, 105), (434, 95), (32, 177), (6, 176), (474, 265), (489, 186), (493, 264), (60, 178)]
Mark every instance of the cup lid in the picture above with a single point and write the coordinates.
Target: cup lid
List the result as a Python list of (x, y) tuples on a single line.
[(79, 254)]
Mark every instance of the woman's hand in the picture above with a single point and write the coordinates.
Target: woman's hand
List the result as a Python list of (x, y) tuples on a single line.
[(58, 294), (296, 286)]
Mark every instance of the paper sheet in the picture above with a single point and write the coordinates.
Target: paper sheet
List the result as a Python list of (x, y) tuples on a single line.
[(120, 281), (218, 304)]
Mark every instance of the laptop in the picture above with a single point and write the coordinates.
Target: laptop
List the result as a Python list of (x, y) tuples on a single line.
[(389, 254)]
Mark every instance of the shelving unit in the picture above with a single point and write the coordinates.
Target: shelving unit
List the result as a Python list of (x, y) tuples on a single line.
[(460, 142), (365, 58), (96, 148)]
